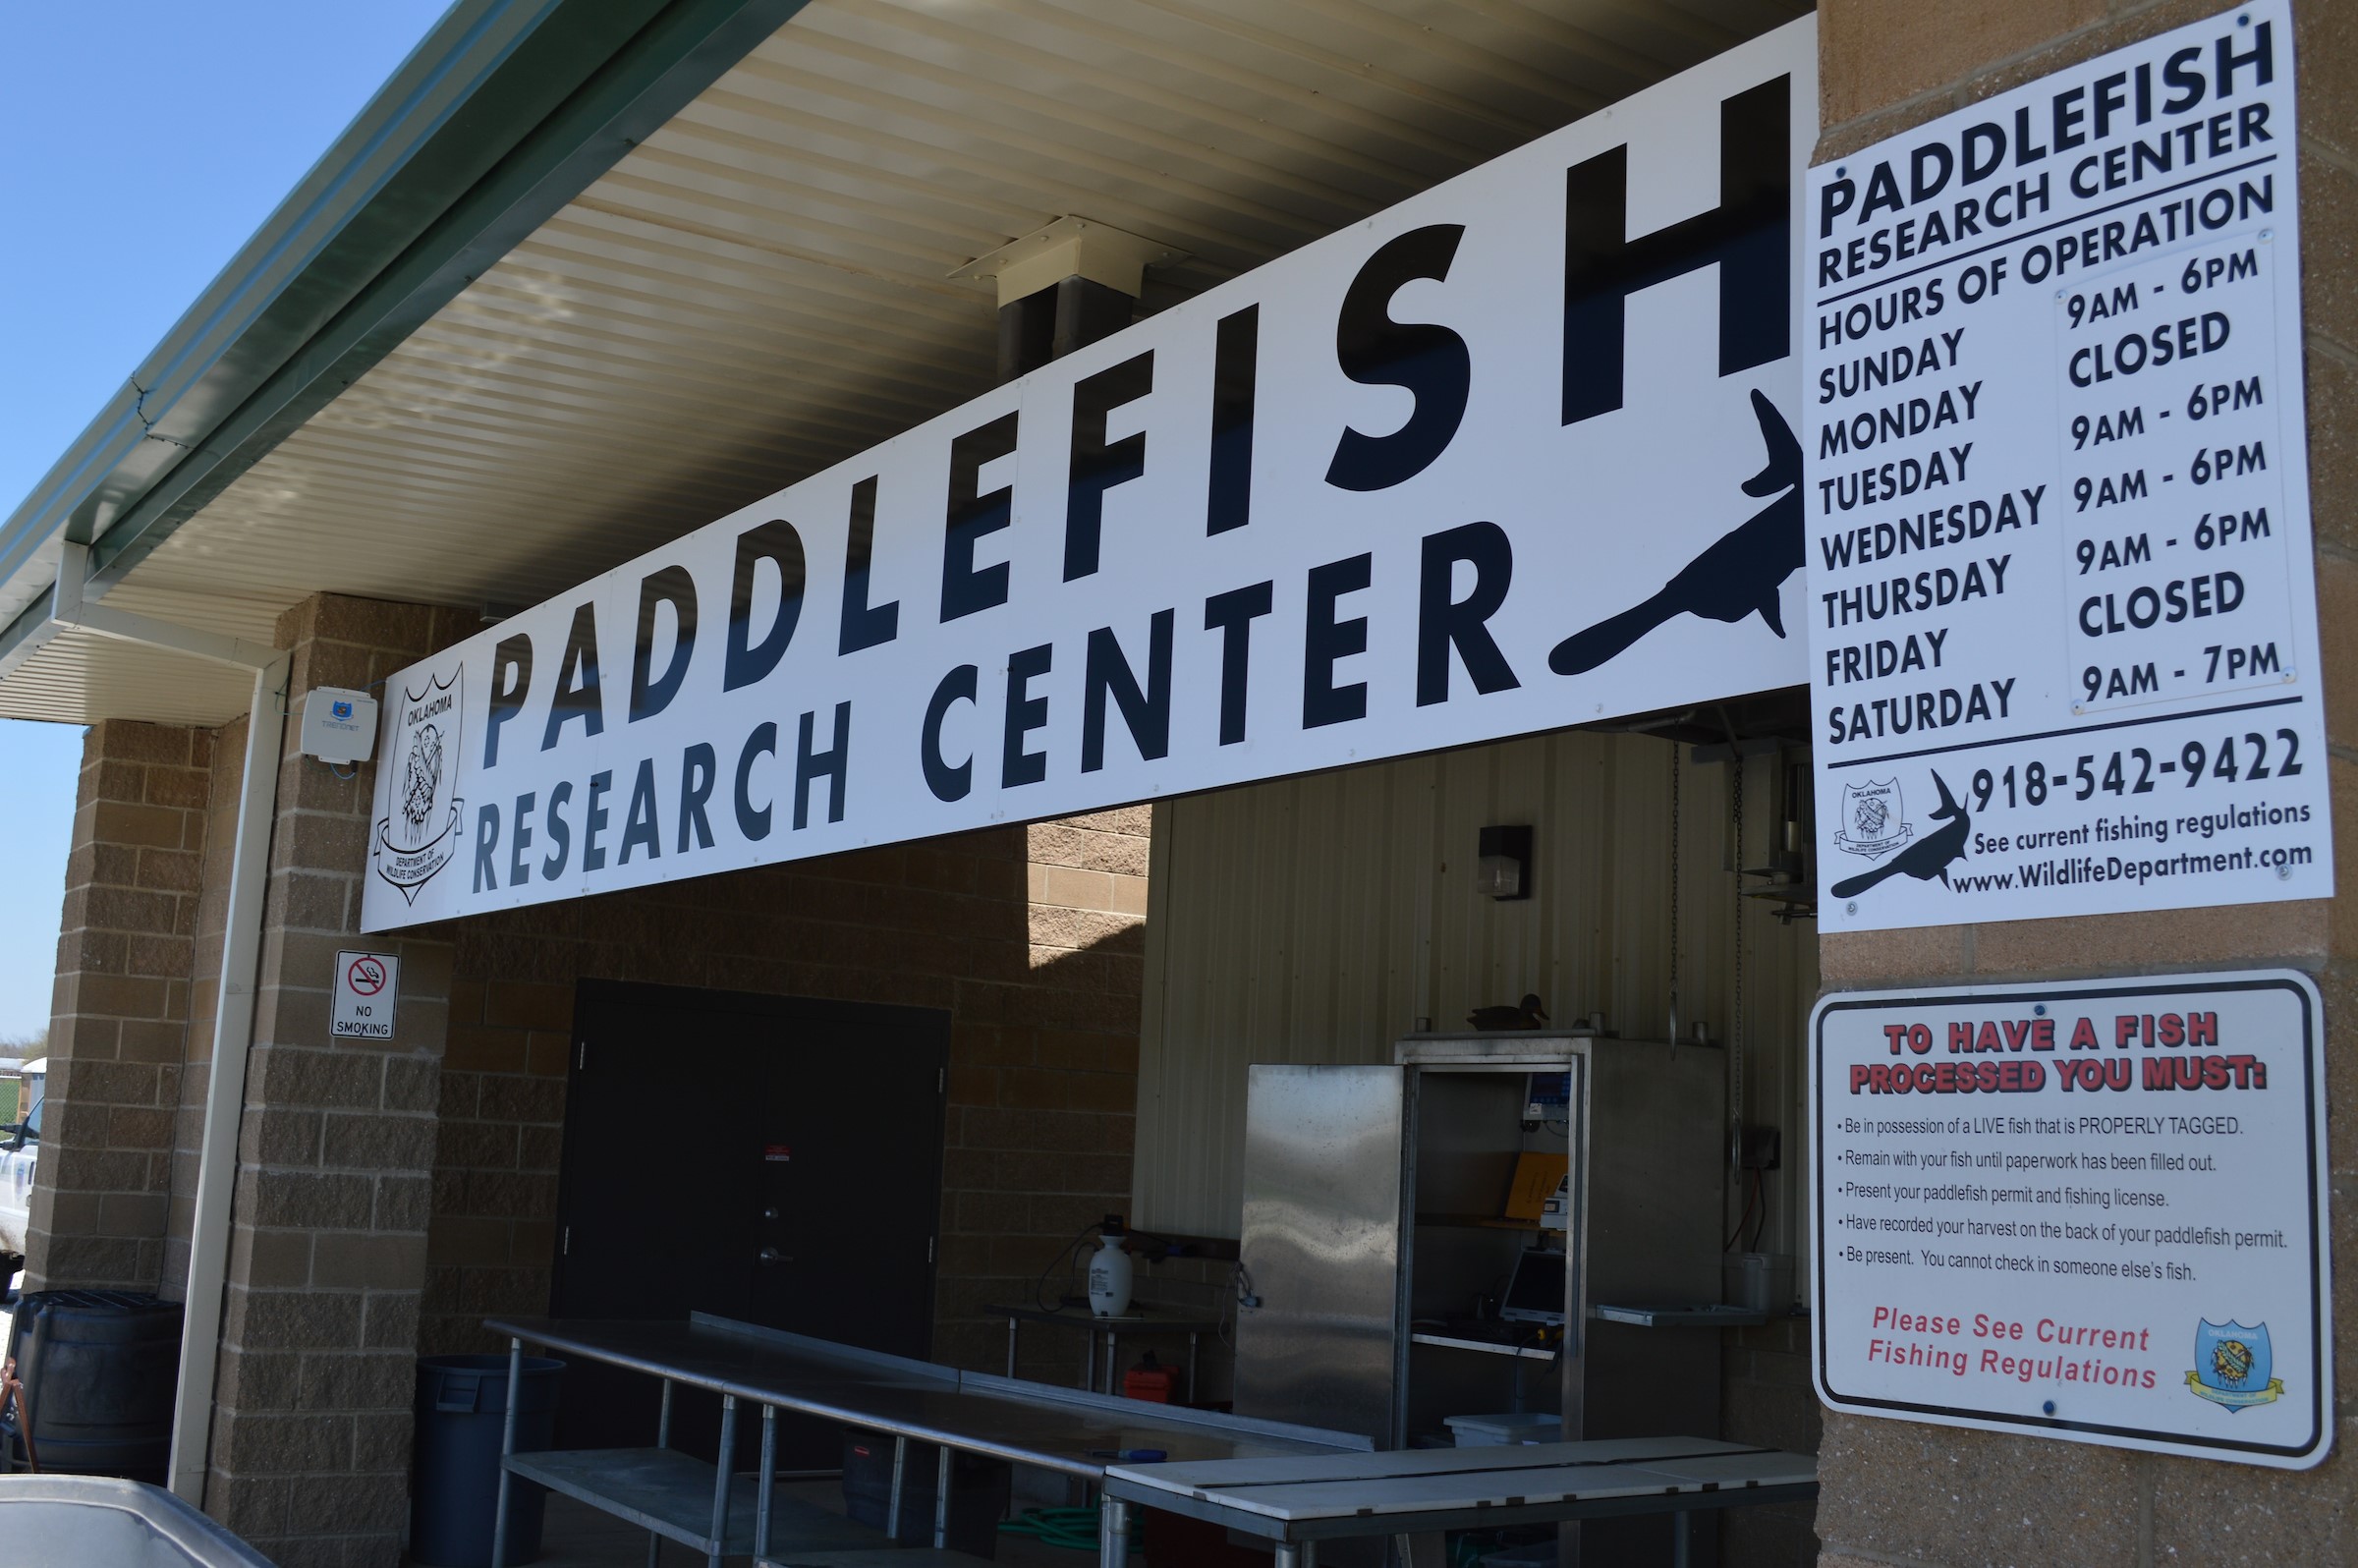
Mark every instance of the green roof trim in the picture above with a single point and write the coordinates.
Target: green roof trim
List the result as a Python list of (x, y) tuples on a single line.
[(506, 112)]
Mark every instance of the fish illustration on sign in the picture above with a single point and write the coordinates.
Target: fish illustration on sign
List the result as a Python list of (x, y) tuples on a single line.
[(2231, 1365), (1739, 574), (1930, 855)]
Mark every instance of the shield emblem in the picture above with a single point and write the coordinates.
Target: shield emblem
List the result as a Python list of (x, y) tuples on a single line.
[(2233, 1365), (419, 833), (1874, 819)]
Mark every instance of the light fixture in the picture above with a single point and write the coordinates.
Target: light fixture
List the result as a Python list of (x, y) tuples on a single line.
[(1503, 863)]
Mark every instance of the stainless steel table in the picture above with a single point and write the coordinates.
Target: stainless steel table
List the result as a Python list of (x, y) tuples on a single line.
[(1070, 1431), (1297, 1503), (1143, 1321), (97, 1518)]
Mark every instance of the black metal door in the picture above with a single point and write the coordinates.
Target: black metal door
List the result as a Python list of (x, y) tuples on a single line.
[(774, 1160), (851, 1185)]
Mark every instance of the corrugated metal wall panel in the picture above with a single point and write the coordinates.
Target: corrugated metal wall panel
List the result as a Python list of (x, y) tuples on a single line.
[(1318, 918)]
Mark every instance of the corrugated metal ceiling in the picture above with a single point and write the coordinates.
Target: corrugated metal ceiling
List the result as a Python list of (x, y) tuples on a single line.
[(78, 676), (759, 289)]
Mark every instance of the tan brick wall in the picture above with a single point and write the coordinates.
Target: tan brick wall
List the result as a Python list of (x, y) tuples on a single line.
[(1765, 1397), (489, 1246), (310, 1444), (205, 1001), (1028, 937), (1898, 1493), (119, 1024)]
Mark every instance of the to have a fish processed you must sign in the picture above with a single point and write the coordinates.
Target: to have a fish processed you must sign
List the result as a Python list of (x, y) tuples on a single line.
[(1514, 455), (2062, 610), (2094, 1211)]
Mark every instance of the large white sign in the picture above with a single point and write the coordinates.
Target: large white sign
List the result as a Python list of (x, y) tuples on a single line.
[(2092, 1210), (2063, 654), (1514, 455)]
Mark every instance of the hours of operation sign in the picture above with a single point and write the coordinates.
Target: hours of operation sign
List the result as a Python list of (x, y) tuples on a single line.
[(2063, 623), (2094, 1211)]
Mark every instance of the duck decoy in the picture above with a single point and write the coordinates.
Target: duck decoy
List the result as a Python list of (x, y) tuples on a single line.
[(1526, 1014)]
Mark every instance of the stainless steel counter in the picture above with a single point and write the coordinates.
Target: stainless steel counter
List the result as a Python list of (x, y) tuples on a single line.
[(1143, 1321), (1295, 1503), (1070, 1431)]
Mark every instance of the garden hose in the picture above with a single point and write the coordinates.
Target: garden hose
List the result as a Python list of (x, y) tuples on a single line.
[(1072, 1528)]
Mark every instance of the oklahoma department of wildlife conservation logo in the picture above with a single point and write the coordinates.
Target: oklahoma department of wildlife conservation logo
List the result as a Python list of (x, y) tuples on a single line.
[(419, 832), (2231, 1365), (1874, 820)]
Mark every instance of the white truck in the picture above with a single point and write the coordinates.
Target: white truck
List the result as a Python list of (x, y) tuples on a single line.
[(20, 1154)]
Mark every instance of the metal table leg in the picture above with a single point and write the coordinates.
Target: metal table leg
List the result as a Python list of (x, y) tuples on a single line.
[(1289, 1555), (721, 1480), (770, 1461), (1013, 1324), (1088, 1359), (1425, 1550), (1114, 1360), (1194, 1341), (507, 1446), (1682, 1538), (654, 1542), (892, 1508), (941, 1498), (1113, 1533)]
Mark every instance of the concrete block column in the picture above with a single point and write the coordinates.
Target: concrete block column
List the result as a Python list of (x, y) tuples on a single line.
[(310, 1444), (1896, 1492), (1044, 1085), (118, 1031)]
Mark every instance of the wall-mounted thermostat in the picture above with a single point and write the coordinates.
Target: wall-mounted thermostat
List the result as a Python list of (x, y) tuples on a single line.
[(339, 724)]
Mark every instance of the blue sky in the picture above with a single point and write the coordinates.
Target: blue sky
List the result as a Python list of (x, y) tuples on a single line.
[(140, 144)]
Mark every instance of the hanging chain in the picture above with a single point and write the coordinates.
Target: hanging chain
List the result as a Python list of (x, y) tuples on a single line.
[(1735, 1031), (1674, 773)]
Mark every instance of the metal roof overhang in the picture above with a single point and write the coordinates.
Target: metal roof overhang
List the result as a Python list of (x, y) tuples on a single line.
[(589, 273)]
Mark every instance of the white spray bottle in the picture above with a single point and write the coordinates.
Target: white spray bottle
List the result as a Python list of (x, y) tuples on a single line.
[(1109, 1271)]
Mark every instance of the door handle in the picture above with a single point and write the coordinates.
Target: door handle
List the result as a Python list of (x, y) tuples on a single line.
[(771, 1255)]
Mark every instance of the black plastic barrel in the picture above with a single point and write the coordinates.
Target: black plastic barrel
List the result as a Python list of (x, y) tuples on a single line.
[(100, 1369), (980, 1487), (461, 1414)]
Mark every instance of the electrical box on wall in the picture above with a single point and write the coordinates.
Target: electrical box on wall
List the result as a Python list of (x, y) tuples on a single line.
[(1757, 1148), (339, 724)]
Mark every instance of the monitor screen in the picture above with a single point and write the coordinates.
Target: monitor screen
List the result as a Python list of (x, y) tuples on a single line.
[(1536, 1294)]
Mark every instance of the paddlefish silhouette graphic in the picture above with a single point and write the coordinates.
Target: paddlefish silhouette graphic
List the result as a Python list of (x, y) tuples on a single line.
[(1930, 855), (1739, 574)]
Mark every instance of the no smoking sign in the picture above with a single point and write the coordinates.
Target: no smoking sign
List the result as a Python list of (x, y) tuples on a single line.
[(368, 988)]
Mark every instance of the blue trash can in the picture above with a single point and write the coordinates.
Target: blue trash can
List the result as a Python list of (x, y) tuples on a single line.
[(461, 1414)]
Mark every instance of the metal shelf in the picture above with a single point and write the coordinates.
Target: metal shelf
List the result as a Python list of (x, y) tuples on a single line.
[(1683, 1314), (902, 1557), (1487, 1347), (671, 1493)]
